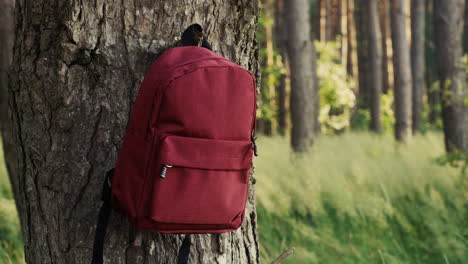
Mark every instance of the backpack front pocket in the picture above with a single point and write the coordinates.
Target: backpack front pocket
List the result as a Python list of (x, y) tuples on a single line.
[(200, 181)]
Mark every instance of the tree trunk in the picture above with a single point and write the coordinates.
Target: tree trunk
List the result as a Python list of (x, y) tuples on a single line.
[(334, 20), (402, 71), (330, 12), (281, 43), (322, 18), (433, 93), (465, 30), (352, 61), (448, 26), (375, 61), (6, 42), (417, 60), (303, 89), (344, 43), (387, 64), (77, 67), (362, 51)]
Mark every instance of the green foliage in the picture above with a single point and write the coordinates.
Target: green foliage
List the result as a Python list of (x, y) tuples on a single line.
[(336, 95), (388, 116), (456, 159), (361, 198), (11, 244), (271, 74), (5, 190), (313, 11), (361, 118), (437, 108), (262, 21), (270, 78)]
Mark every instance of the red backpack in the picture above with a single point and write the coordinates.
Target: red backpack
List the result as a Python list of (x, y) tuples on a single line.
[(185, 160)]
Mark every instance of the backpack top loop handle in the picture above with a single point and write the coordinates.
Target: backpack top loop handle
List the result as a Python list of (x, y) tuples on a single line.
[(194, 36)]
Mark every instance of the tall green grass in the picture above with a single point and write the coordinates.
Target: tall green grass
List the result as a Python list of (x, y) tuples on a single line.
[(361, 198), (356, 198), (11, 244)]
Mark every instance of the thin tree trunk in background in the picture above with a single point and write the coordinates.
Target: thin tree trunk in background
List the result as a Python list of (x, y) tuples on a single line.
[(362, 51), (330, 12), (448, 26), (322, 17), (333, 20), (281, 44), (352, 61), (328, 20), (408, 22), (433, 94), (402, 71), (281, 99), (6, 44), (315, 90), (375, 63), (387, 63), (344, 32), (303, 90), (417, 60), (77, 67), (465, 30)]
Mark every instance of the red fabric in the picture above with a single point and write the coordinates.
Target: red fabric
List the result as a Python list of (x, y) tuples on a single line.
[(195, 111)]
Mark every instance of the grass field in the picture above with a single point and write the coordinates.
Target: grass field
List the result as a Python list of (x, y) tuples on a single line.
[(361, 198), (357, 198), (11, 245)]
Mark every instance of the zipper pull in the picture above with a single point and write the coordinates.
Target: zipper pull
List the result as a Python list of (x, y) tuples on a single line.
[(164, 170), (253, 138), (255, 148)]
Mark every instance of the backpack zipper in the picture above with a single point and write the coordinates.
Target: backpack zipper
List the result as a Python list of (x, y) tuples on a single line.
[(163, 172), (253, 138)]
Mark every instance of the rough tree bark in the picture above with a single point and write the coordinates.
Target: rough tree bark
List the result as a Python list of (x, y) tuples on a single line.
[(417, 60), (6, 44), (302, 58), (402, 71), (448, 29), (77, 66), (375, 63)]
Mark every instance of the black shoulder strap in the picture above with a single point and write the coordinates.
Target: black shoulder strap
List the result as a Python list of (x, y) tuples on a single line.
[(184, 250), (194, 36), (103, 221)]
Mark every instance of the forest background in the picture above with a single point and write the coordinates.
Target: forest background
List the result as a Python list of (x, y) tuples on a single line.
[(362, 138)]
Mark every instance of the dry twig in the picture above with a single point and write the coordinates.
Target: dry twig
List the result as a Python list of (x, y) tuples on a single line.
[(283, 256)]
